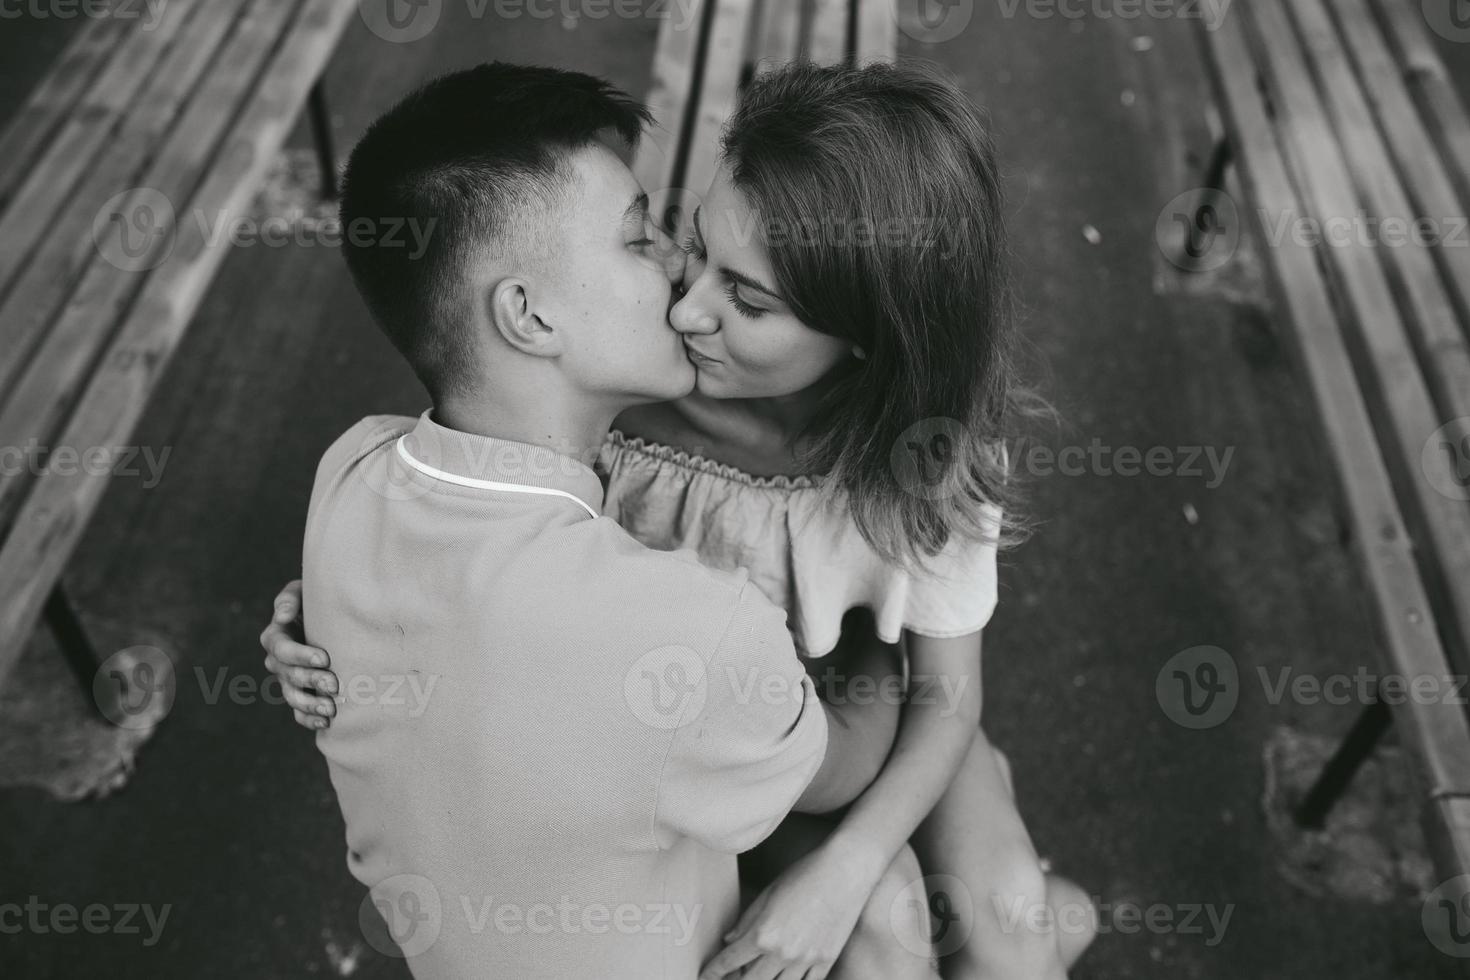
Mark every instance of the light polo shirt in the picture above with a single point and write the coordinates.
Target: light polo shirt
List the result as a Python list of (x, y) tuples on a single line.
[(551, 741)]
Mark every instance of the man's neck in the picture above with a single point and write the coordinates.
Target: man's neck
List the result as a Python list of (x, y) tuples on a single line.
[(577, 431)]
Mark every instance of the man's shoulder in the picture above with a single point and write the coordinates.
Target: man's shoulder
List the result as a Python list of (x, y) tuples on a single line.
[(363, 439)]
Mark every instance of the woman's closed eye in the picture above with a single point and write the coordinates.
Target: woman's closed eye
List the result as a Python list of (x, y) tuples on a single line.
[(696, 250)]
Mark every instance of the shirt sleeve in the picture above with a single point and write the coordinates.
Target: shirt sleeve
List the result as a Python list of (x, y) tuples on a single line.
[(747, 749), (956, 592)]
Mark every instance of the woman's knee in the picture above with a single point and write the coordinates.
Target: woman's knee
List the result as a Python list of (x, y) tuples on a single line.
[(1075, 917), (892, 938)]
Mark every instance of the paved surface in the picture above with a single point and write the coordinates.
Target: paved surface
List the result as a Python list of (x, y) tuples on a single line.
[(230, 819)]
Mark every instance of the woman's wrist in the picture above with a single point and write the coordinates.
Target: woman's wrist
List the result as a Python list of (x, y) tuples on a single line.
[(865, 855)]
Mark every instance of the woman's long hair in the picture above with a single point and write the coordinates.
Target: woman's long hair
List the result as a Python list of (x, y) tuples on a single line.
[(880, 203)]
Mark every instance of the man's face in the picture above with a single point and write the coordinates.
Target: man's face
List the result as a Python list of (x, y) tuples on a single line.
[(606, 287)]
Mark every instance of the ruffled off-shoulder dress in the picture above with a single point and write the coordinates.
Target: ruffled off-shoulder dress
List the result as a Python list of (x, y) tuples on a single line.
[(798, 543)]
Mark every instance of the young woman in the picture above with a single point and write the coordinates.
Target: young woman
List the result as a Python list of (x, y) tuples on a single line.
[(846, 305)]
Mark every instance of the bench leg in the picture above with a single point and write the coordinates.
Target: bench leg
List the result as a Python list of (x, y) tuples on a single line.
[(321, 132), (1356, 746), (76, 647), (1204, 221)]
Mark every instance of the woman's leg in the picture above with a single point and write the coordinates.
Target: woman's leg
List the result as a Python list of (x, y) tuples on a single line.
[(1027, 925)]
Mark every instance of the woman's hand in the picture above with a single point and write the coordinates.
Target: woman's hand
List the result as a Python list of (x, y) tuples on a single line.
[(799, 925), (308, 691)]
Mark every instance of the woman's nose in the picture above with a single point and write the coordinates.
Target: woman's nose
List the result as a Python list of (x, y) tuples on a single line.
[(688, 317)]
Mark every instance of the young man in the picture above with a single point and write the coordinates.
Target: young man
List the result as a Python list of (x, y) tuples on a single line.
[(553, 741)]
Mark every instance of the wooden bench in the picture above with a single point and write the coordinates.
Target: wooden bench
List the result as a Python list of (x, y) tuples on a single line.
[(140, 140), (703, 61), (1336, 109)]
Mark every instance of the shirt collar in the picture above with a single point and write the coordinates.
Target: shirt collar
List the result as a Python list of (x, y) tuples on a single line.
[(497, 465)]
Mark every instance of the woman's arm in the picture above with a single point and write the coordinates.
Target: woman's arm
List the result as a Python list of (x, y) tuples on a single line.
[(307, 681), (936, 729)]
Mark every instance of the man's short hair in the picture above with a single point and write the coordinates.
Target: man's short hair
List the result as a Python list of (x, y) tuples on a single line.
[(468, 159)]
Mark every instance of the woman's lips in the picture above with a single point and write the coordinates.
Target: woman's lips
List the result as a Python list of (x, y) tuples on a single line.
[(698, 357)]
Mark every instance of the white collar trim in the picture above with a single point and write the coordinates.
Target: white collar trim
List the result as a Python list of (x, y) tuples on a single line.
[(471, 482)]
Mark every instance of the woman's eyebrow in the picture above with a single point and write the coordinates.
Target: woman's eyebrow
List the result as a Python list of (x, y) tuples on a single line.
[(739, 278)]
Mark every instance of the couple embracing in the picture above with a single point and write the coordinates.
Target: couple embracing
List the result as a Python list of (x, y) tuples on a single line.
[(693, 549)]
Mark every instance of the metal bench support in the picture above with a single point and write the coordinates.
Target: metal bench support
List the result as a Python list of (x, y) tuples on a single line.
[(321, 133), (1339, 771)]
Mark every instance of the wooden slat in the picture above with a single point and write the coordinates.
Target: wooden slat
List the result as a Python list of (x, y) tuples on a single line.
[(80, 139), (827, 39), (656, 161), (779, 38), (1428, 182), (718, 94), (1432, 318), (58, 508), (46, 109), (51, 381), (1439, 734), (1410, 416), (877, 31), (1432, 84), (1447, 829), (50, 268)]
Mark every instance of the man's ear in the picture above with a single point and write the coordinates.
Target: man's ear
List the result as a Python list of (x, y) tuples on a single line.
[(513, 318)]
